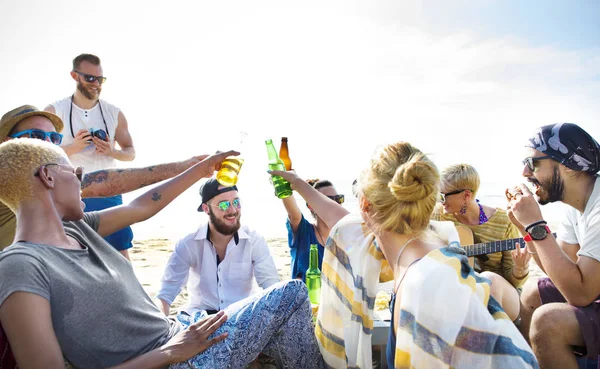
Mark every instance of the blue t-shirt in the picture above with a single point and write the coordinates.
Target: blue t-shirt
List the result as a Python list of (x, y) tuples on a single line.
[(300, 247)]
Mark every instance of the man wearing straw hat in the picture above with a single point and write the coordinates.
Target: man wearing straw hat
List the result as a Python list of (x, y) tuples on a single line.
[(28, 121)]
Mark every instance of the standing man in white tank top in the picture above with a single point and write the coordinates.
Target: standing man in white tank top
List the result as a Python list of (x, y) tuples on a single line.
[(95, 134)]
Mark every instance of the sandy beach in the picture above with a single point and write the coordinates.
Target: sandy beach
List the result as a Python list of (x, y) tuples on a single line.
[(149, 258)]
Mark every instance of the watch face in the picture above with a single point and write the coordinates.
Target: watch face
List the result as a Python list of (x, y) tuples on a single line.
[(539, 232)]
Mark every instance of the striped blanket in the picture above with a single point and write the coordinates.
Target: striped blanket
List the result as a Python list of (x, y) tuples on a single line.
[(352, 268), (449, 320)]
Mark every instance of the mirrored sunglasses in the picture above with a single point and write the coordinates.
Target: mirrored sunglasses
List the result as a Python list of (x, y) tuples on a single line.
[(79, 171), (530, 162), (225, 205), (55, 137), (90, 78)]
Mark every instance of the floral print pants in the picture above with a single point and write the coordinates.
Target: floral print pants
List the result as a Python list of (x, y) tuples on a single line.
[(276, 322)]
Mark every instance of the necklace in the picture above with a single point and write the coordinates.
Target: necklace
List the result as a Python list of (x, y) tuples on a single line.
[(398, 259), (321, 237), (482, 217)]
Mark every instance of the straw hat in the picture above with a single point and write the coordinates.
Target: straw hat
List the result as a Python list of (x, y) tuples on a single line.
[(10, 119)]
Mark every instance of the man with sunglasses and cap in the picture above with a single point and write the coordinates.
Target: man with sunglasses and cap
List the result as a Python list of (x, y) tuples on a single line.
[(92, 127), (220, 260), (28, 121), (561, 313)]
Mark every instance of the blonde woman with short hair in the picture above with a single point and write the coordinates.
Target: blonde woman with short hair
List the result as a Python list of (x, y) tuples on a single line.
[(459, 204)]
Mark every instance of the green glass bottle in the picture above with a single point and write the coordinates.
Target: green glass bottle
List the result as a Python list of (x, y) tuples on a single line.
[(313, 276), (282, 187)]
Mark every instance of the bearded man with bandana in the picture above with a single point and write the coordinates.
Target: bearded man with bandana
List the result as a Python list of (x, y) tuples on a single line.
[(561, 314)]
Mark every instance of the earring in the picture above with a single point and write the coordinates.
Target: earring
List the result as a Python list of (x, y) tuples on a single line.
[(365, 206), (463, 208)]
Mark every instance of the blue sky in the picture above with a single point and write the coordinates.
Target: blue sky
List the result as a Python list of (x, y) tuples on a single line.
[(466, 81), (570, 25)]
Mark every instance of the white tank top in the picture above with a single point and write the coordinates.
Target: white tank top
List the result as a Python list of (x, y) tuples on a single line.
[(86, 119)]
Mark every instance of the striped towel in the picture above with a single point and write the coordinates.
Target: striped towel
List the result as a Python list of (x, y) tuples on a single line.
[(352, 267), (449, 320)]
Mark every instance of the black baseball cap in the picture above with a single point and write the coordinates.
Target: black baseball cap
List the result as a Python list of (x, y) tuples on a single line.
[(212, 188)]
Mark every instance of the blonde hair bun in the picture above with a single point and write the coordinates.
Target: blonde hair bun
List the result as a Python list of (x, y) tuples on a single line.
[(414, 180)]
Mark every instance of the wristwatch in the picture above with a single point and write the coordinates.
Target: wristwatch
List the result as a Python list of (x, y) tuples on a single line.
[(537, 233)]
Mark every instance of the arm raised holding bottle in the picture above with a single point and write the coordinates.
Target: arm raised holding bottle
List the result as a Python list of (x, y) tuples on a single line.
[(325, 206), (323, 201)]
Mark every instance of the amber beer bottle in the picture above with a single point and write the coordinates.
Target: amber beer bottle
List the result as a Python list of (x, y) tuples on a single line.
[(282, 187), (284, 154), (313, 276)]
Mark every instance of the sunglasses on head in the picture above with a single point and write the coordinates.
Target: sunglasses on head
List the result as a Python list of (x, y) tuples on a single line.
[(79, 171), (89, 78), (444, 195), (55, 137), (530, 162), (225, 205)]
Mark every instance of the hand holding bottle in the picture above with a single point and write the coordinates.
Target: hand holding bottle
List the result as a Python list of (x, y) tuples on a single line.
[(289, 175), (282, 186)]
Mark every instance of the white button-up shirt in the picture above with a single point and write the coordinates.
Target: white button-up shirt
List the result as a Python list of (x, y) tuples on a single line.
[(213, 287)]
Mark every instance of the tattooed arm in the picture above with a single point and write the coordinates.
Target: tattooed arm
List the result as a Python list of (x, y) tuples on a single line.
[(112, 182), (154, 200)]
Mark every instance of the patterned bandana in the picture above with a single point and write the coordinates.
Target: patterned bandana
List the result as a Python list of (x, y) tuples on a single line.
[(568, 144)]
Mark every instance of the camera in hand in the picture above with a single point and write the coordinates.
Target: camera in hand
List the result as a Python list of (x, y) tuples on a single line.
[(98, 133)]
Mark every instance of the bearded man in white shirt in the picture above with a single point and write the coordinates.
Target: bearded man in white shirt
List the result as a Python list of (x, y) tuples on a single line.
[(220, 259)]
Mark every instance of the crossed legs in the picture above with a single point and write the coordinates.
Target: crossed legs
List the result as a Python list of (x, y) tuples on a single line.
[(276, 322)]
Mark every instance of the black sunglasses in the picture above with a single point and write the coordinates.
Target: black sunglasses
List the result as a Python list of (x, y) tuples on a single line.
[(444, 195), (55, 137), (79, 171), (89, 78), (530, 162), (337, 198)]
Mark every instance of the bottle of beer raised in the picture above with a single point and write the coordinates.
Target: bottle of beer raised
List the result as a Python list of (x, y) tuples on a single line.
[(282, 187), (284, 154), (313, 276)]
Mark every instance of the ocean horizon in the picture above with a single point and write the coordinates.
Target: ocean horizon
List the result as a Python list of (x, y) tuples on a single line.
[(265, 213)]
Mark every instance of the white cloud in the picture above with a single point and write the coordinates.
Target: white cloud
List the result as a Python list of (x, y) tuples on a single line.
[(336, 78)]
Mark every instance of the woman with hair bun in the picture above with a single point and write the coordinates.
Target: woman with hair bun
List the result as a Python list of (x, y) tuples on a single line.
[(443, 313), (439, 304)]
